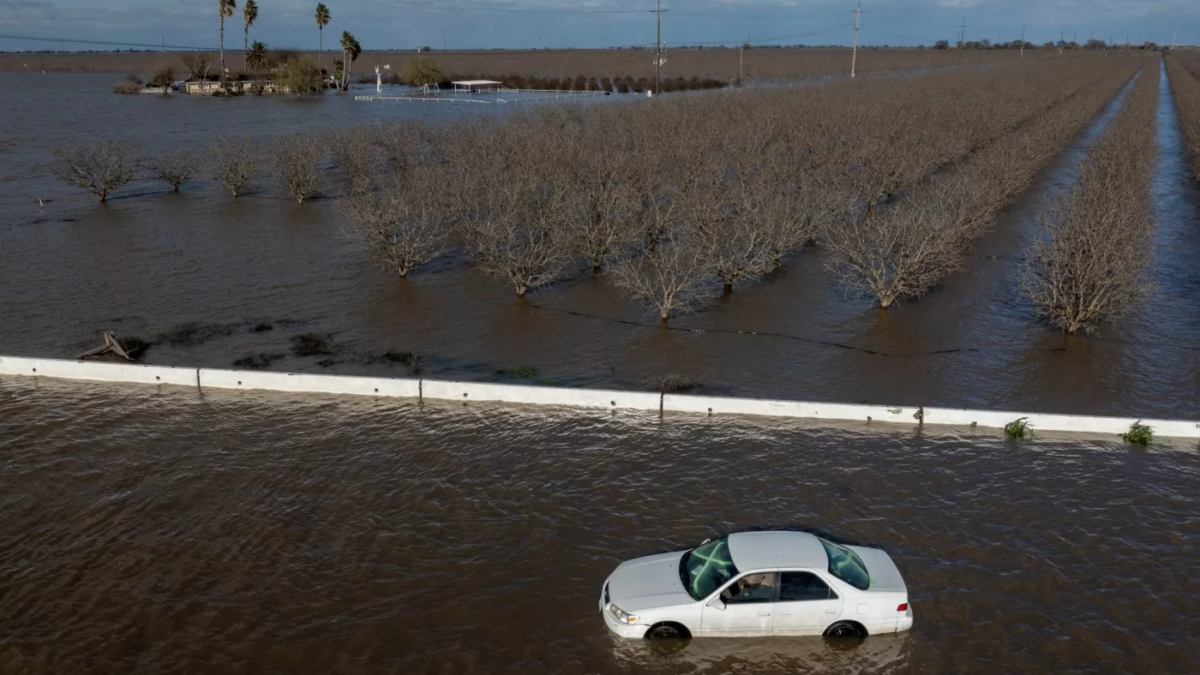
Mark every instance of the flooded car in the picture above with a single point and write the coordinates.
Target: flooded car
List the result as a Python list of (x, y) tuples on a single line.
[(755, 584)]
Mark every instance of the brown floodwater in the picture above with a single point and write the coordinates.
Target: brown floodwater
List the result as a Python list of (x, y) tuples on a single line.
[(158, 530)]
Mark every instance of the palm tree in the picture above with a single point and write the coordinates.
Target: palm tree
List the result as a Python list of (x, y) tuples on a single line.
[(322, 21), (351, 50), (250, 14), (226, 7), (257, 59)]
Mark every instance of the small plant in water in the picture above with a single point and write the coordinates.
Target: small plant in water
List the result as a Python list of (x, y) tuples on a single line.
[(1138, 434), (1018, 429), (523, 372)]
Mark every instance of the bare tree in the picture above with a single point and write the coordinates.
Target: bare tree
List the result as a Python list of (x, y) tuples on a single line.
[(1090, 262), (673, 278), (174, 167), (513, 201), (359, 153), (296, 160), (234, 162), (403, 225), (601, 201), (197, 64), (99, 168), (1084, 270), (517, 233), (732, 218), (904, 250)]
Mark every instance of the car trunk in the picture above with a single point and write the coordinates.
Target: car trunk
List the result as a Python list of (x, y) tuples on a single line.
[(885, 576)]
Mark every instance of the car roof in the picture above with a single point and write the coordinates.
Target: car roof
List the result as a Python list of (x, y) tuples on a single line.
[(769, 550)]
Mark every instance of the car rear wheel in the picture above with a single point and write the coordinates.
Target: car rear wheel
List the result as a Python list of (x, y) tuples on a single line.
[(667, 631), (846, 630)]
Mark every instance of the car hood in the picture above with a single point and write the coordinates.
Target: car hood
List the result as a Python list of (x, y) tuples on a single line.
[(644, 583), (885, 576)]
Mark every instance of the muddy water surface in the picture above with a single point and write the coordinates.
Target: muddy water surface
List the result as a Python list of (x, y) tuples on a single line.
[(158, 531)]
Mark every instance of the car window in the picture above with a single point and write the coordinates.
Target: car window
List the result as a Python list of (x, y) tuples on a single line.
[(847, 566), (706, 568), (751, 588), (804, 586)]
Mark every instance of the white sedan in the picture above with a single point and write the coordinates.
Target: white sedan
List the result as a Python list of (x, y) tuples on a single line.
[(758, 583)]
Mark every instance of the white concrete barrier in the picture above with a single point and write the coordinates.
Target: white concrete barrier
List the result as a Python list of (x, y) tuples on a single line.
[(1049, 422), (583, 398), (97, 371), (713, 405), (509, 393), (211, 378)]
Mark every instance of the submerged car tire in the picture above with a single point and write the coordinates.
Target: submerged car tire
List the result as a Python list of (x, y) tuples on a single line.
[(667, 631), (848, 630)]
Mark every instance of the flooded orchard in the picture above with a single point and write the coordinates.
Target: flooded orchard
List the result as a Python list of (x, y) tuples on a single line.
[(151, 261), (163, 531)]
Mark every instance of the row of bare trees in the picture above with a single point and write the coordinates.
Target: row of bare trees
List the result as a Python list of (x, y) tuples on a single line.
[(1090, 262), (292, 162), (681, 200), (1184, 73)]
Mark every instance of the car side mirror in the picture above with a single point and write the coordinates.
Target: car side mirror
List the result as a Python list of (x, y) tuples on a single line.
[(717, 603)]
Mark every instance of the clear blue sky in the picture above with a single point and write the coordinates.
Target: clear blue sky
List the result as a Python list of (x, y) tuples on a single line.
[(405, 24)]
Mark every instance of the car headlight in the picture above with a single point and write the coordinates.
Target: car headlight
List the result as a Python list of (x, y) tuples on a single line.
[(622, 615)]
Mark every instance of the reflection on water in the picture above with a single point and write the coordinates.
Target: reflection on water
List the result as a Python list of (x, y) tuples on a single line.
[(157, 530), (879, 655)]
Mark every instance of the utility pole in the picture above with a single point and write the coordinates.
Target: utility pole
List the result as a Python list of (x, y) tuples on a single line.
[(658, 57), (1173, 36), (741, 64), (1075, 39), (962, 41), (857, 26), (1022, 43), (1062, 39), (1127, 44)]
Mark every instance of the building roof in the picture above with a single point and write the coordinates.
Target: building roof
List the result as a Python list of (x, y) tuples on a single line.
[(475, 83), (770, 550)]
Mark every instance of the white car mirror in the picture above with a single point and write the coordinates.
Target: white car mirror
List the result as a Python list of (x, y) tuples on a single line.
[(717, 603)]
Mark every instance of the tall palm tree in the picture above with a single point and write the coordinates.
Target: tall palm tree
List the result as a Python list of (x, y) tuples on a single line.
[(250, 14), (322, 21), (226, 7), (258, 59), (351, 50)]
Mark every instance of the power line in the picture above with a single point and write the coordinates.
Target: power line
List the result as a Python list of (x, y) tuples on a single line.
[(31, 38)]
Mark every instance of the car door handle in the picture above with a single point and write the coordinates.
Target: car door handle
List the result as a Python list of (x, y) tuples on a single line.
[(831, 611), (764, 614)]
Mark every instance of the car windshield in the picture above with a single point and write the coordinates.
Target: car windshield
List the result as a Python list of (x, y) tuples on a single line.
[(847, 566), (706, 568)]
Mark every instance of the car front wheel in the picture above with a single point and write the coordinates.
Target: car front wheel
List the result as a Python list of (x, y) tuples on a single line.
[(666, 631)]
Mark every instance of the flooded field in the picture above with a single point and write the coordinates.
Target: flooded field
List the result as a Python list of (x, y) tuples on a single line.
[(253, 273), (159, 531)]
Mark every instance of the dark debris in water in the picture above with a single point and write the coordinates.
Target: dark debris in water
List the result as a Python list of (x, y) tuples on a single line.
[(671, 384), (258, 361), (314, 344)]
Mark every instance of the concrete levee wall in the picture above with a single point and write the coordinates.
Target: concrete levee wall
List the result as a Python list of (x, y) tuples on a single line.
[(211, 378), (310, 384), (507, 393), (98, 371)]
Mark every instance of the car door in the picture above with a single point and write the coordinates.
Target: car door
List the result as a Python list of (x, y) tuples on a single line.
[(806, 604), (742, 608)]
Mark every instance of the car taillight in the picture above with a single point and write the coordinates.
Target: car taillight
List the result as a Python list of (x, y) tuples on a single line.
[(903, 607)]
